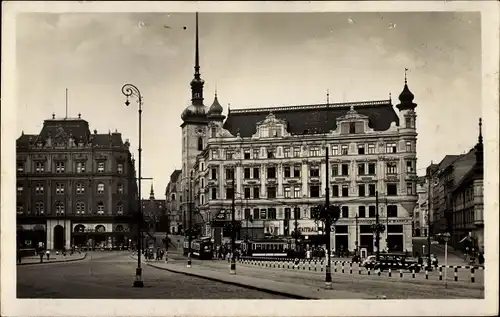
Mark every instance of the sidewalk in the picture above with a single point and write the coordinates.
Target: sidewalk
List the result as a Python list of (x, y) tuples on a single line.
[(53, 258)]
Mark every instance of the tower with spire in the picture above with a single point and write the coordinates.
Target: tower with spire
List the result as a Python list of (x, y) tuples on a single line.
[(194, 116), (407, 107)]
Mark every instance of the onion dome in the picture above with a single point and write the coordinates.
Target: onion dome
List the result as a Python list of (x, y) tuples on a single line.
[(406, 98), (194, 113), (215, 111)]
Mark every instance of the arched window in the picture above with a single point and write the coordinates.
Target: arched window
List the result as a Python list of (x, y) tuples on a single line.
[(119, 209), (80, 207), (119, 228), (79, 228), (172, 197), (39, 208), (100, 188), (59, 208), (100, 228), (100, 208), (200, 143)]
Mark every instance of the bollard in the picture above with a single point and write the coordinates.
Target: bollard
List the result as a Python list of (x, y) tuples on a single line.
[(315, 266), (350, 268), (309, 266), (472, 279), (426, 274), (456, 273), (440, 273), (321, 267), (359, 268), (378, 272), (401, 273), (342, 267), (335, 267), (369, 270), (390, 274), (412, 273)]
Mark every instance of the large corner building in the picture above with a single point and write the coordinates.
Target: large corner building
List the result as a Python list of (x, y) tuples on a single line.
[(277, 158)]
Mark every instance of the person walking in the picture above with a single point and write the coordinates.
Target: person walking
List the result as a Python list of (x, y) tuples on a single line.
[(47, 253)]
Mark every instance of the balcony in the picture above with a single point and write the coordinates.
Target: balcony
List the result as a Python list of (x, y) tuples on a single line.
[(251, 181), (292, 180)]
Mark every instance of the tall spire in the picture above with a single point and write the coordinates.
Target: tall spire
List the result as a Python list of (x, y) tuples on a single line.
[(480, 139), (152, 193), (328, 97), (406, 97), (479, 148), (197, 83), (197, 53)]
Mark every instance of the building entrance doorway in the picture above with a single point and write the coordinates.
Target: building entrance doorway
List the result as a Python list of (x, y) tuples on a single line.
[(58, 237), (341, 244), (395, 243), (366, 241)]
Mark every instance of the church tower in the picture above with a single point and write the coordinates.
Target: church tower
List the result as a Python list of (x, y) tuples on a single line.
[(407, 107), (194, 117)]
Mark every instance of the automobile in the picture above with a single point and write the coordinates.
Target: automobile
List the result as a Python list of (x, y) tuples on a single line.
[(394, 261)]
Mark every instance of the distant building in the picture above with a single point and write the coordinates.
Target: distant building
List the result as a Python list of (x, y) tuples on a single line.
[(457, 197), (74, 187), (277, 158), (173, 196), (420, 214), (153, 211)]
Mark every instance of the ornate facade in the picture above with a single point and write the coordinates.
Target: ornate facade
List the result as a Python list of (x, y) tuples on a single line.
[(173, 196), (74, 187), (276, 156)]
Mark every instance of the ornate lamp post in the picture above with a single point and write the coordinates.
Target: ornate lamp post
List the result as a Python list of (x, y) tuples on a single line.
[(130, 90), (377, 228), (446, 237)]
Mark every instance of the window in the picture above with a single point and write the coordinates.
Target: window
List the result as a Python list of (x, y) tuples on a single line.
[(229, 192), (270, 153), (247, 192), (297, 192), (345, 211), (59, 208), (288, 213), (409, 189), (296, 152), (335, 150), (371, 169), (314, 191), (256, 213), (409, 166), (345, 169), (119, 168), (392, 211), (361, 149), (296, 171), (256, 192), (256, 172), (314, 151), (271, 192), (345, 190), (344, 149), (288, 192), (213, 192), (390, 148), (59, 189), (271, 172), (246, 172), (247, 213), (60, 167), (361, 211), (80, 167), (20, 167), (80, 207), (371, 190), (409, 148), (119, 209), (296, 213), (335, 170), (39, 188), (213, 131), (229, 154), (119, 188), (361, 190), (202, 183), (371, 211), (246, 154), (100, 188), (39, 208), (213, 173), (229, 173), (256, 153), (271, 213), (408, 122), (392, 189), (314, 171), (20, 189), (287, 171), (392, 168), (100, 167), (286, 152), (100, 208), (215, 154), (352, 127), (335, 190), (20, 208), (361, 169), (263, 214), (80, 188), (371, 148), (39, 167), (200, 143)]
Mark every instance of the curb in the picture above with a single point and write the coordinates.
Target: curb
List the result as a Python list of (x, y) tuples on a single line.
[(57, 261), (265, 290)]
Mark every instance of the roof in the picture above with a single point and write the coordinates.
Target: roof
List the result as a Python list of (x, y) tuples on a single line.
[(175, 175), (446, 162), (311, 119), (61, 130)]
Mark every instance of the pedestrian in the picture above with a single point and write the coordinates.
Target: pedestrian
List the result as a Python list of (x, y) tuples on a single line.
[(41, 256), (47, 253)]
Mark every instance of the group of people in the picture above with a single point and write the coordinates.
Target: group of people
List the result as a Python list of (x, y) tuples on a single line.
[(222, 252), (150, 254)]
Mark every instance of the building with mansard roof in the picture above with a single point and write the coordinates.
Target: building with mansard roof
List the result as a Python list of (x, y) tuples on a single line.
[(277, 158), (74, 187)]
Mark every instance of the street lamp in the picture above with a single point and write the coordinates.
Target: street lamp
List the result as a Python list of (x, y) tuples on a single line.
[(446, 238), (190, 211), (130, 90), (377, 228)]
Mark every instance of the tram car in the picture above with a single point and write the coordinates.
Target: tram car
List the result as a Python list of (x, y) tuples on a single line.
[(269, 248), (200, 249)]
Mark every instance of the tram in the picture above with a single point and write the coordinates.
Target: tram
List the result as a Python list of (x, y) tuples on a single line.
[(269, 248), (200, 248)]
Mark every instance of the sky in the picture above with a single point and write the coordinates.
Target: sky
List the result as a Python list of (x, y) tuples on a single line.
[(254, 60)]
